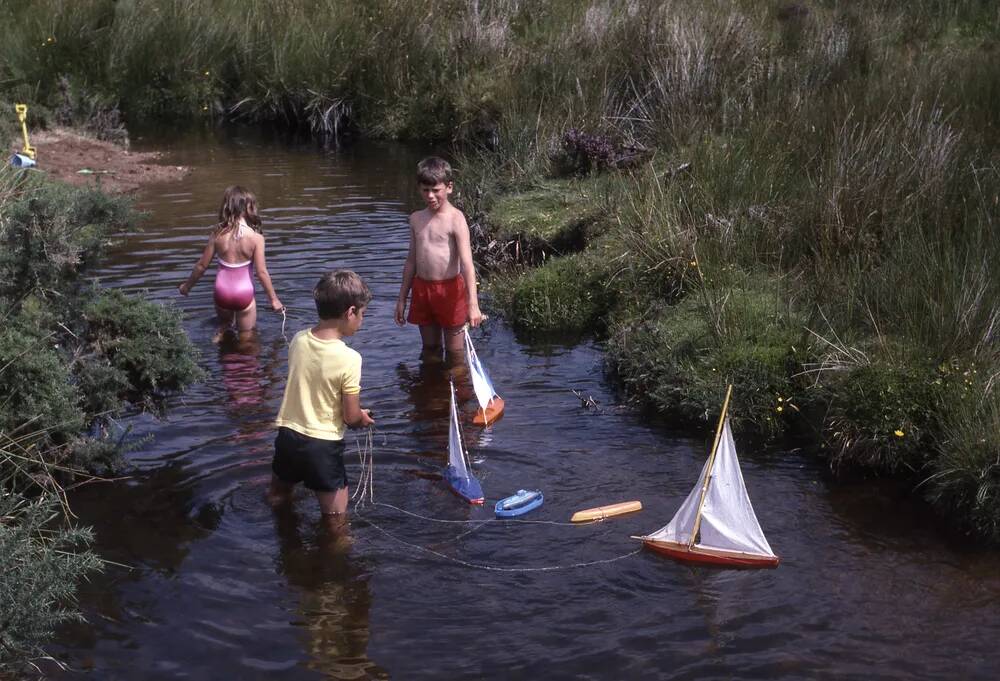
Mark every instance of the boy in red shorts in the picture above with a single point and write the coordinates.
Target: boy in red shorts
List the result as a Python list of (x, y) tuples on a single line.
[(439, 267)]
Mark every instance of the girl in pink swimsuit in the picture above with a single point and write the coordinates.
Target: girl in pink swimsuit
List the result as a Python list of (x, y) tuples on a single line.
[(238, 245)]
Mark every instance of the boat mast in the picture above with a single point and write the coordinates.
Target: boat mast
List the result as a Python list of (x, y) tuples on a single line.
[(708, 470)]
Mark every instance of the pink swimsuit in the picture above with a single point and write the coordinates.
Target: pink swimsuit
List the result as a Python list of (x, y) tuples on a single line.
[(234, 285)]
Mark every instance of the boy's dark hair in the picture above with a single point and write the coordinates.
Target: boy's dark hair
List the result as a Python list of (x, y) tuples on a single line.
[(434, 170), (336, 291)]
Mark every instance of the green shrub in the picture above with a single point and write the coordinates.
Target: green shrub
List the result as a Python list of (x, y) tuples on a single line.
[(136, 345), (40, 565), (38, 398), (567, 294), (49, 233), (880, 415)]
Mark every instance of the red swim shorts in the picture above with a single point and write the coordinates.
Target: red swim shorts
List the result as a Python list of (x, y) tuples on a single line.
[(439, 302)]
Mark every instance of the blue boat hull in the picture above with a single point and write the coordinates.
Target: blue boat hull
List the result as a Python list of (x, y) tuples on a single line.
[(467, 488), (512, 506)]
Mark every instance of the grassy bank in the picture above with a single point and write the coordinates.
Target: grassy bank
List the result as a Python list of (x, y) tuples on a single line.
[(816, 221), (72, 356), (798, 196)]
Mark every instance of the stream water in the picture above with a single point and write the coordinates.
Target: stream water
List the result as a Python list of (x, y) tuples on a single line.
[(210, 583)]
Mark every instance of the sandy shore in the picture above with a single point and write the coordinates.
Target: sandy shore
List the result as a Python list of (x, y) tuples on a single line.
[(71, 157)]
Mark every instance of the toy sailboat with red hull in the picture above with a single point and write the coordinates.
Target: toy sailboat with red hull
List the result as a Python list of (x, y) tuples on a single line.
[(490, 404), (458, 474), (716, 524)]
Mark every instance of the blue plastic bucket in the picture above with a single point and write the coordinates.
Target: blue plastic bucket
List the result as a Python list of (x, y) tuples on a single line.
[(21, 161)]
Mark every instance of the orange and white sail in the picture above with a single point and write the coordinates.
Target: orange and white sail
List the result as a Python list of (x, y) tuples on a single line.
[(490, 404)]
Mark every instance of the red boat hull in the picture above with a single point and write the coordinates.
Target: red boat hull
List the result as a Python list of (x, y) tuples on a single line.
[(705, 556), (493, 411)]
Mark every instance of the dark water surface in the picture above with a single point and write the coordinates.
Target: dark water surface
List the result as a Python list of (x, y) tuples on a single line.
[(221, 587)]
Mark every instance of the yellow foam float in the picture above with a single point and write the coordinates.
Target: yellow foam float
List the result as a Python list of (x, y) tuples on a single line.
[(602, 512)]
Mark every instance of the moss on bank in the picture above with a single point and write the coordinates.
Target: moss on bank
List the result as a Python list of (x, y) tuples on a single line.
[(557, 217)]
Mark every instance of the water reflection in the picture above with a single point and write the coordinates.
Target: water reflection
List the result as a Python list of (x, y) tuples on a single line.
[(247, 378), (335, 598)]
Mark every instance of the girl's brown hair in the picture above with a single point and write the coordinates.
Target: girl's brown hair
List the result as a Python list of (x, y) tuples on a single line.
[(237, 203)]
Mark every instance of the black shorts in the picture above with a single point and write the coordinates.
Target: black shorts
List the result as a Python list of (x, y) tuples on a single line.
[(317, 463)]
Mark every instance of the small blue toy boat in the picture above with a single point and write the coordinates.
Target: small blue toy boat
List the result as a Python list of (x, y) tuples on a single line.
[(519, 504), (457, 473)]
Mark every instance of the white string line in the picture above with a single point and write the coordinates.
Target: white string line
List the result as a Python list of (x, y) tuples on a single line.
[(486, 520), (366, 479), (493, 568)]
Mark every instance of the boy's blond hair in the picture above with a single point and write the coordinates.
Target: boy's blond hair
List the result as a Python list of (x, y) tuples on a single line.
[(434, 170), (337, 291)]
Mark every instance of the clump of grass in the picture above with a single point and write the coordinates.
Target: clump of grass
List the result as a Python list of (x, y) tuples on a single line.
[(679, 358), (568, 294), (964, 479)]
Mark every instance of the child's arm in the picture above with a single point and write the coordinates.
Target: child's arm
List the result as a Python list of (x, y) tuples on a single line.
[(354, 415), (463, 242), (260, 265), (409, 269), (199, 267)]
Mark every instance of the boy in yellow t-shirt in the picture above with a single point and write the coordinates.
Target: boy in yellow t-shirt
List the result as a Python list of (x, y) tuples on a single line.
[(322, 397)]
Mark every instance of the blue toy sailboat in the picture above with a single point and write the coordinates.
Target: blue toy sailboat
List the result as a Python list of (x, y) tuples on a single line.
[(458, 474)]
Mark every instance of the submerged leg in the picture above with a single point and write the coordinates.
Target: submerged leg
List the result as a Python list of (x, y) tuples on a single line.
[(454, 339), (430, 334), (279, 492), (246, 319), (333, 503), (225, 322)]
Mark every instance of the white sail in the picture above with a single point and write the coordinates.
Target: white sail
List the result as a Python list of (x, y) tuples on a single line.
[(481, 383), (456, 452), (727, 518), (680, 526)]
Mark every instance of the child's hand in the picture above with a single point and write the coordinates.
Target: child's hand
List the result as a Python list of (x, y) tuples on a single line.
[(276, 305), (366, 418), (475, 316), (184, 288), (400, 312)]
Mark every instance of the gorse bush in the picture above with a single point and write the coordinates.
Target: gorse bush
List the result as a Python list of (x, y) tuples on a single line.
[(40, 565), (71, 353), (71, 357), (50, 233)]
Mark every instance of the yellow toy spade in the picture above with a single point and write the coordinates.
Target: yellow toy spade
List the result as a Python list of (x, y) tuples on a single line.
[(26, 158)]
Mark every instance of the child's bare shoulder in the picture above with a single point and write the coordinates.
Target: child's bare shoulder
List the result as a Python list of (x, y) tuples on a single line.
[(419, 217), (456, 217)]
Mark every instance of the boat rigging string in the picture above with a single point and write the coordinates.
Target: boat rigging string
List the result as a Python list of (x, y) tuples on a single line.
[(364, 495)]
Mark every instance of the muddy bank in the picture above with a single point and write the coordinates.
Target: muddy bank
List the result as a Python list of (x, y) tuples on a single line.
[(68, 156)]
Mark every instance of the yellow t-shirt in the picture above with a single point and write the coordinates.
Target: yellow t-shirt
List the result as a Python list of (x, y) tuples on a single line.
[(319, 372)]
